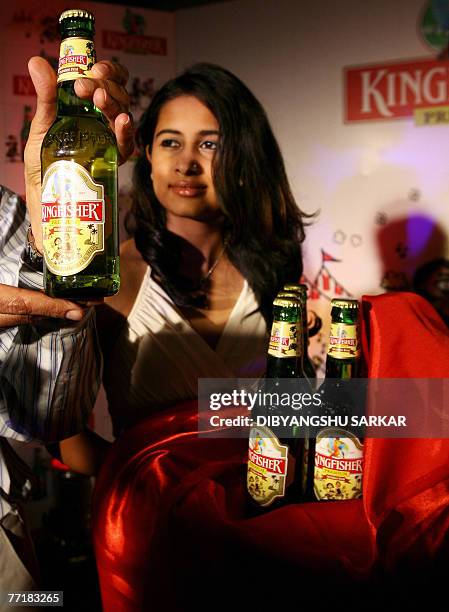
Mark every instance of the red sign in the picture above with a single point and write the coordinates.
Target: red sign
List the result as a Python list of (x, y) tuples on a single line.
[(84, 211), (23, 86), (271, 464), (391, 91), (145, 45)]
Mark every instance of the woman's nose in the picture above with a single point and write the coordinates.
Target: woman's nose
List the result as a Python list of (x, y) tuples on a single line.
[(188, 165)]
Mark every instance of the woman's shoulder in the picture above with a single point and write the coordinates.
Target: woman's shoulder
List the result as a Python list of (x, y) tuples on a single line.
[(132, 272), (129, 252)]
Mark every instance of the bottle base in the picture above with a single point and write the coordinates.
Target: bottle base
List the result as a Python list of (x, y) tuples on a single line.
[(78, 288)]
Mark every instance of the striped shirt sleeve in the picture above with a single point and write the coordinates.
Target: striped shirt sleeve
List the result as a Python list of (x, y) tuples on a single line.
[(49, 374)]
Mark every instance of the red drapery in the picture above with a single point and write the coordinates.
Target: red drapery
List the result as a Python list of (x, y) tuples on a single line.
[(172, 530)]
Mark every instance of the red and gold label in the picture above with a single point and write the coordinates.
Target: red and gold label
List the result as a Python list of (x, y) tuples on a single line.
[(73, 216), (284, 339), (338, 465), (76, 58), (267, 466), (343, 341)]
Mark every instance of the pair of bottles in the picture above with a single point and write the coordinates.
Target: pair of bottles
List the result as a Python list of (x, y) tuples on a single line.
[(330, 465), (79, 161)]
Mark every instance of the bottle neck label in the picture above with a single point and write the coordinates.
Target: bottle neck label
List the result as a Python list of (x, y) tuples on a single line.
[(76, 58), (267, 466), (284, 339), (343, 341), (338, 465), (73, 216)]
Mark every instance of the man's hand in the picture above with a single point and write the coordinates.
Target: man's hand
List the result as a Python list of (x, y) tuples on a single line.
[(19, 306), (107, 90)]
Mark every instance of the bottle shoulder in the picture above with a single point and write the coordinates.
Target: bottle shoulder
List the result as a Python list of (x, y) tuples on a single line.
[(86, 138)]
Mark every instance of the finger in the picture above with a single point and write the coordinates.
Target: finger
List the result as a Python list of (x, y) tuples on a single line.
[(15, 301), (88, 88), (124, 134), (44, 81), (109, 106), (111, 71)]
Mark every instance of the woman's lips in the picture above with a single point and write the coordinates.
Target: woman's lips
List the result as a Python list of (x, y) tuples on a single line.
[(188, 190)]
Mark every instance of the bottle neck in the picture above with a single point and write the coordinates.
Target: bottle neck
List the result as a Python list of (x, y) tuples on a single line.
[(281, 367), (69, 104), (341, 368)]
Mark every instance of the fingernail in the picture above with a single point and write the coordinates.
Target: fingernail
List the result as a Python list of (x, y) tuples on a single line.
[(100, 70), (74, 315), (87, 85)]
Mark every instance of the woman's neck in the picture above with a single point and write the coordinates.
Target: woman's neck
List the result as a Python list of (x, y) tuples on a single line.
[(202, 242)]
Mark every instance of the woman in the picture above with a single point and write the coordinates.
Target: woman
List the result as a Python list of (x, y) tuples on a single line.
[(216, 233)]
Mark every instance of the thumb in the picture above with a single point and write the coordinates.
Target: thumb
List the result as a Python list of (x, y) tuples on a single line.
[(17, 301), (44, 81)]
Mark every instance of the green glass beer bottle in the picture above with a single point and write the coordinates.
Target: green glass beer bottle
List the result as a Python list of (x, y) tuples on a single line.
[(274, 465), (301, 293), (79, 161), (333, 466)]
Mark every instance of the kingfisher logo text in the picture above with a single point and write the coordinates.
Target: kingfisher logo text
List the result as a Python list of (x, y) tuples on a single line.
[(417, 89)]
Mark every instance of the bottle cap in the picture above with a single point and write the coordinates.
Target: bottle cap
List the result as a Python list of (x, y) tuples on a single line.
[(76, 13), (300, 290), (287, 294), (339, 303), (287, 302)]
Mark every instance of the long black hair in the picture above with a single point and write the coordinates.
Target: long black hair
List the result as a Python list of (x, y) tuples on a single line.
[(263, 225)]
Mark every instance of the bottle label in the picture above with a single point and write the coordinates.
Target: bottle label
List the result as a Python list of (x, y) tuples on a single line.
[(76, 58), (284, 339), (267, 466), (343, 341), (338, 465), (73, 215)]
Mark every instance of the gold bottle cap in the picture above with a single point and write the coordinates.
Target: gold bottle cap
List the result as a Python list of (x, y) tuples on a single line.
[(287, 294), (286, 302), (339, 303), (76, 13)]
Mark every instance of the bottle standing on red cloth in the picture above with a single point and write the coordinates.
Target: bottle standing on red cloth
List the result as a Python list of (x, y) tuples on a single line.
[(274, 466), (301, 293), (333, 461)]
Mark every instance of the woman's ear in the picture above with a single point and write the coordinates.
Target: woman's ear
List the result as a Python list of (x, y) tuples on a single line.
[(148, 153)]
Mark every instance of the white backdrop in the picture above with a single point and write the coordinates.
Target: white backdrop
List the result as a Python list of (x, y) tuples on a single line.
[(382, 187)]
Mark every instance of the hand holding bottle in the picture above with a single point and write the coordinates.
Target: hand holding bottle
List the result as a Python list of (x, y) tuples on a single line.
[(107, 90)]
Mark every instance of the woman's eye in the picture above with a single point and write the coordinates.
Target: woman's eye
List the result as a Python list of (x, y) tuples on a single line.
[(210, 145), (169, 143)]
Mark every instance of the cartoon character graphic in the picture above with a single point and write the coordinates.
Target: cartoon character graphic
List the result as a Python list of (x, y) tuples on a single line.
[(68, 50), (330, 491), (337, 448), (258, 444)]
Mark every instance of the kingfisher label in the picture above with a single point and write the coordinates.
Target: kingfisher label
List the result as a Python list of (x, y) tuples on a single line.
[(76, 58), (73, 216), (267, 466), (338, 465), (343, 341), (284, 339)]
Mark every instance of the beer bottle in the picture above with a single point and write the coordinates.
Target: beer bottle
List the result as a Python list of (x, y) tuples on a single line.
[(79, 179), (333, 461), (301, 292), (273, 462)]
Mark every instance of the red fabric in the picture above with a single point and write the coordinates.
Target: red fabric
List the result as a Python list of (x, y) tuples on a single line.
[(172, 531)]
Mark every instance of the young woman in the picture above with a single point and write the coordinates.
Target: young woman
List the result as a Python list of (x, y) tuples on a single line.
[(216, 233)]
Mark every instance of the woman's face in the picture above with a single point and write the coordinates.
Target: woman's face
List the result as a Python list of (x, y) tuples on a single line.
[(182, 153)]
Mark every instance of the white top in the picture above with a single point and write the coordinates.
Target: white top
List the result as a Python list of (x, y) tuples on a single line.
[(158, 357)]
